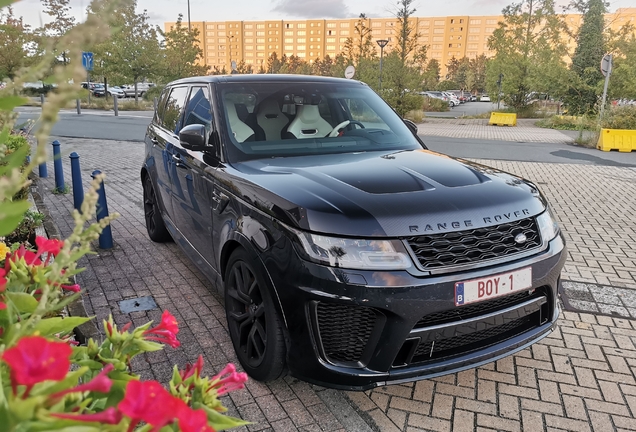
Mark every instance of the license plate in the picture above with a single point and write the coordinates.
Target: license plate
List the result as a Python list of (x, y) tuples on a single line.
[(477, 290)]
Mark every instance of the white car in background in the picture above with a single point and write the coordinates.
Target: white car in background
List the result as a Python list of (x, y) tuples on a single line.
[(116, 91), (453, 100), (485, 98)]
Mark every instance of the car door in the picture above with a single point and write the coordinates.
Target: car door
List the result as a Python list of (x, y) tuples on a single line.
[(164, 136), (193, 182)]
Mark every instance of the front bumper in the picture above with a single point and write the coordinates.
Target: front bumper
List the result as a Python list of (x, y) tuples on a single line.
[(354, 329)]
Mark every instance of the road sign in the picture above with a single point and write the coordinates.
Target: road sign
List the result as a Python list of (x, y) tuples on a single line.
[(87, 60), (349, 72), (606, 64)]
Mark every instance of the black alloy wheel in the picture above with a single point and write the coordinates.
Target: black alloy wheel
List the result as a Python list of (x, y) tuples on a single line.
[(254, 325), (157, 230)]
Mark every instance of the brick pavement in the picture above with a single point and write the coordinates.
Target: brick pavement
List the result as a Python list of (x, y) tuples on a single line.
[(525, 131), (580, 378)]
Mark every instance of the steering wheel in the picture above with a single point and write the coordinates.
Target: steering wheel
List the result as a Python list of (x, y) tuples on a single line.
[(336, 131)]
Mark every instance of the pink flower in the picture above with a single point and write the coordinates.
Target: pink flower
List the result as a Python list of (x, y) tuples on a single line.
[(228, 380), (148, 401), (30, 258), (51, 246), (108, 416), (74, 288), (101, 383), (194, 369), (35, 359), (165, 332), (192, 420)]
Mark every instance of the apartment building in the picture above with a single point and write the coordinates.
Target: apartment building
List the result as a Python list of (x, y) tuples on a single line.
[(447, 37)]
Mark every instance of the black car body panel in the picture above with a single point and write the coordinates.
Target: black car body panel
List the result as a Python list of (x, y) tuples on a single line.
[(359, 328)]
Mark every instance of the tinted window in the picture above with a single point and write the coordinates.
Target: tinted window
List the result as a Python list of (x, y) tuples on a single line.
[(198, 109), (161, 107), (174, 109)]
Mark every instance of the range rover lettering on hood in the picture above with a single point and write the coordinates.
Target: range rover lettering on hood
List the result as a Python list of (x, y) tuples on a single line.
[(468, 223)]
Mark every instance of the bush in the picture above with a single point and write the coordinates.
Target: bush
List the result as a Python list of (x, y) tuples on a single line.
[(434, 105), (153, 92), (16, 143), (568, 123), (25, 232), (620, 118)]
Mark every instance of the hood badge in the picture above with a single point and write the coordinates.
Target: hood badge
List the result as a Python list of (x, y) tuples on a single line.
[(520, 238)]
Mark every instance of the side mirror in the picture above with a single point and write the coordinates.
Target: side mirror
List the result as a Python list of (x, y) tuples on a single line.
[(194, 137), (411, 125)]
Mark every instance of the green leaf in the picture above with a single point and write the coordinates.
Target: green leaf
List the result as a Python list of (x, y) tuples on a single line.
[(22, 301), (11, 214), (7, 103), (55, 325), (15, 159), (222, 422)]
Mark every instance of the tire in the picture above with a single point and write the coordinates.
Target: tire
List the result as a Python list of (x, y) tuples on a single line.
[(157, 230), (253, 322)]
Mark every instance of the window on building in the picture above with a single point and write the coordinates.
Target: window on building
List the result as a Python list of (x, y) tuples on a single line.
[(289, 33), (344, 25), (221, 47), (376, 32), (249, 47), (424, 39), (262, 40), (331, 47), (436, 46), (376, 24), (249, 41), (221, 33), (301, 40), (260, 26), (388, 31), (210, 26), (450, 45), (249, 33), (260, 54), (211, 41), (343, 40), (302, 25), (260, 47), (452, 21), (344, 32), (491, 21), (289, 47), (289, 40), (331, 40), (221, 27), (473, 30), (438, 22), (248, 26), (438, 31), (331, 25), (329, 32), (301, 47), (490, 29), (472, 46), (301, 33), (461, 21), (288, 25), (437, 38), (474, 21)]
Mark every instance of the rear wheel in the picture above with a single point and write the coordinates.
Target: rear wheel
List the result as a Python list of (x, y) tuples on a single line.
[(254, 324), (157, 230)]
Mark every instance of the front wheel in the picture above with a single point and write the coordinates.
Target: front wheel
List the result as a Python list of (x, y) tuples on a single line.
[(253, 322), (157, 230)]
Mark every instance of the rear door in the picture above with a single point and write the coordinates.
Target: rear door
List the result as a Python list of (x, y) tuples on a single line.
[(165, 135), (193, 180)]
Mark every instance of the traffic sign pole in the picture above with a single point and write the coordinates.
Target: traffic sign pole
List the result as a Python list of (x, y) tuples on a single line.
[(607, 72)]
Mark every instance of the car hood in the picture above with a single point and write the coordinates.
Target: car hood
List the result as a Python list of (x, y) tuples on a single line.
[(387, 194)]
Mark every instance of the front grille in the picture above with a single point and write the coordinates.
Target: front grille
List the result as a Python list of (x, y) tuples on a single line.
[(474, 246), (344, 330), (468, 342), (481, 308)]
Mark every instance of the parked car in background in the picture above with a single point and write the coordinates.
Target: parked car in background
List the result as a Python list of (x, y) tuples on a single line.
[(441, 96), (142, 88), (484, 98), (347, 253), (98, 90), (473, 98), (116, 91), (452, 99)]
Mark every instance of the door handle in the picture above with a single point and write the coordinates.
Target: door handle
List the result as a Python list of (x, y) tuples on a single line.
[(220, 201), (154, 141)]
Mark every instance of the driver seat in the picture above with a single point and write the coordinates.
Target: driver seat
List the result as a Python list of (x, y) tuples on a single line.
[(308, 123), (241, 131)]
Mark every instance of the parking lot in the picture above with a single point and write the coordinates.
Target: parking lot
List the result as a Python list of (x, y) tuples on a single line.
[(580, 378)]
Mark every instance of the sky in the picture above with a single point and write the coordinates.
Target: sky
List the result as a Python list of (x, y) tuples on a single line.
[(161, 11)]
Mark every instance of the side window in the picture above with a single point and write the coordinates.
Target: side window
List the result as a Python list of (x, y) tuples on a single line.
[(174, 109), (198, 109), (161, 107)]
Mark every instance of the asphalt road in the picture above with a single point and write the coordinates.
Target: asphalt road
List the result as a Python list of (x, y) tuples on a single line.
[(131, 126), (465, 109)]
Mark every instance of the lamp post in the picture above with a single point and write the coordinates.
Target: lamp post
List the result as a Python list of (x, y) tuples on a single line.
[(229, 42), (501, 76), (189, 25), (381, 43)]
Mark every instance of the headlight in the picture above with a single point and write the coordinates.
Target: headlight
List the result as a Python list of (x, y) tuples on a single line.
[(355, 254), (548, 226)]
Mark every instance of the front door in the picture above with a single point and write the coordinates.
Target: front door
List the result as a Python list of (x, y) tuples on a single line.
[(193, 182)]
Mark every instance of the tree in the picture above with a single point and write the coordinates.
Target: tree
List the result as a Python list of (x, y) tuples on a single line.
[(401, 84), (133, 52), (182, 54), (274, 64), (62, 21), (582, 96), (14, 37), (623, 82), (244, 68), (529, 52), (430, 76), (406, 36), (361, 45)]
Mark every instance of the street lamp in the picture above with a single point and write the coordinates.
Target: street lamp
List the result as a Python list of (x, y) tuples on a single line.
[(229, 45), (501, 76), (189, 25), (382, 43)]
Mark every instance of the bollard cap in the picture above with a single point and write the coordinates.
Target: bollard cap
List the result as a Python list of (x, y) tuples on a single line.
[(74, 155), (96, 173), (56, 143)]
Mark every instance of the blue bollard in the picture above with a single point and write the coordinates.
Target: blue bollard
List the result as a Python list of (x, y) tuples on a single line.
[(57, 167), (106, 237), (42, 171), (76, 177)]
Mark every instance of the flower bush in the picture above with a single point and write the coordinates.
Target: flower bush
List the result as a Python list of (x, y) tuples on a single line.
[(47, 381)]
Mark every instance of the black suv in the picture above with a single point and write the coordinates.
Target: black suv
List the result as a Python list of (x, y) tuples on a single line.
[(347, 253)]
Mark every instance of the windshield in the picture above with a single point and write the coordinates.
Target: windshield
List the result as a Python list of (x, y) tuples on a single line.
[(279, 119)]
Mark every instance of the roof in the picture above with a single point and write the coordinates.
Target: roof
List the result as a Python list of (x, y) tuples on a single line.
[(255, 78)]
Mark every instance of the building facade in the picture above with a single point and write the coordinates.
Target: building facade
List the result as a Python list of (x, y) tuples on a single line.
[(446, 37)]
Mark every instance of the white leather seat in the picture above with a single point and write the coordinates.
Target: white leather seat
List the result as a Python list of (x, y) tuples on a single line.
[(240, 130), (308, 123), (270, 118)]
